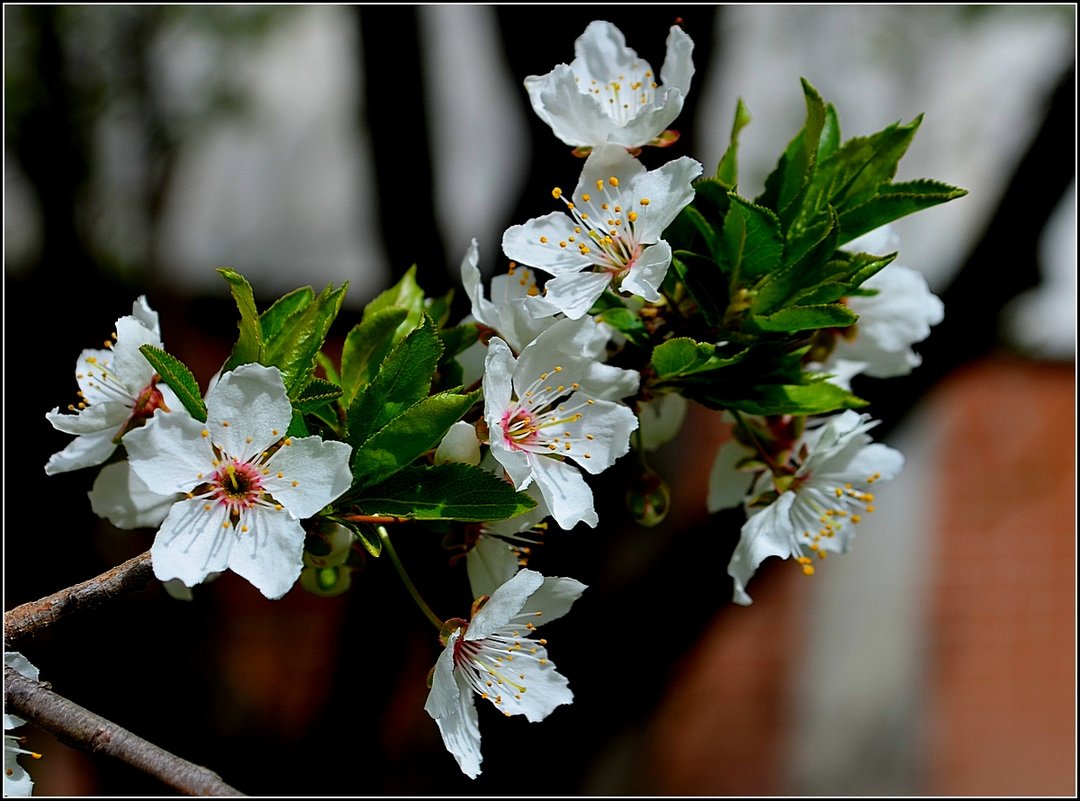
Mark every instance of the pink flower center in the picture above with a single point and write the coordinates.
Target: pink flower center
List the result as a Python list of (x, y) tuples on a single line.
[(519, 427), (238, 485)]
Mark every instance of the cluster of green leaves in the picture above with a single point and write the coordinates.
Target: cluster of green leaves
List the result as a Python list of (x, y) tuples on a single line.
[(754, 280), (388, 398)]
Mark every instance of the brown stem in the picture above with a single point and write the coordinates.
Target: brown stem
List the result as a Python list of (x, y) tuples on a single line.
[(32, 617), (377, 519), (73, 725)]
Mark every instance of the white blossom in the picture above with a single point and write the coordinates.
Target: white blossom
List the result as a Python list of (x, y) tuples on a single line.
[(117, 389), (611, 236), (609, 95), (898, 315), (495, 657), (551, 409), (245, 484), (822, 495)]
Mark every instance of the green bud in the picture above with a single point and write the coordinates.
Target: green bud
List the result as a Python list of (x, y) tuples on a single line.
[(326, 581), (648, 498)]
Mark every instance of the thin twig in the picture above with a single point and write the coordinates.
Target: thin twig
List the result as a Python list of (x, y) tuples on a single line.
[(73, 725), (32, 617)]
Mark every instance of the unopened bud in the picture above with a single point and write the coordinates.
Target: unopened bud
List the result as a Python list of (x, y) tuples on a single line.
[(648, 498)]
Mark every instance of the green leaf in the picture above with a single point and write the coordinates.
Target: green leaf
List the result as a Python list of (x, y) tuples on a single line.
[(727, 172), (816, 397), (893, 202), (179, 378), (294, 347), (404, 377), (681, 357), (438, 309), (446, 492), (316, 394), (364, 532), (366, 345), (273, 319), (704, 281), (805, 318), (752, 242), (405, 294), (249, 344), (776, 289), (853, 174), (627, 323), (797, 163), (409, 435), (457, 339)]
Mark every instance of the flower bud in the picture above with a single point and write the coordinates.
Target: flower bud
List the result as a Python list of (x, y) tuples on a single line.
[(648, 498), (326, 581), (459, 445)]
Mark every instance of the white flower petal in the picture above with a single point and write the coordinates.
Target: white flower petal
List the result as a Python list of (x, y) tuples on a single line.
[(565, 492), (767, 533), (192, 542), (504, 604), (678, 67), (459, 444), (557, 255), (490, 563), (536, 688), (454, 710), (661, 419), (248, 410), (609, 424), (669, 189), (270, 553), (314, 474), (552, 600), (106, 417), (648, 271), (573, 294), (85, 450), (121, 497), (128, 363), (727, 486), (576, 118), (170, 453)]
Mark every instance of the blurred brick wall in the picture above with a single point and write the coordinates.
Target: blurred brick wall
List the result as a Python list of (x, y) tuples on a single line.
[(997, 712)]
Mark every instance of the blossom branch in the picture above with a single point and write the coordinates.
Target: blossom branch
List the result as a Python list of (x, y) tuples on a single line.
[(73, 725), (30, 618)]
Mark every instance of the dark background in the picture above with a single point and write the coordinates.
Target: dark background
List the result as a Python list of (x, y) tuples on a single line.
[(325, 696)]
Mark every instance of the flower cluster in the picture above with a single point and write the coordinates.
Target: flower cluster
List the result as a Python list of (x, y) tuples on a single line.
[(644, 290)]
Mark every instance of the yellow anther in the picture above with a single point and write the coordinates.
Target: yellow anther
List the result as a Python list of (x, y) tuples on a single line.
[(586, 197), (632, 216), (543, 240), (556, 193), (225, 424), (599, 184), (226, 524), (613, 181), (644, 201), (296, 483), (856, 518), (205, 433)]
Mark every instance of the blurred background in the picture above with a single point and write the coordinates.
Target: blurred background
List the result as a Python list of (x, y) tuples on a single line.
[(146, 145)]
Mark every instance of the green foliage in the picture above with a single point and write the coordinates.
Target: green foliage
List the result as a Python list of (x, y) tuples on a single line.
[(179, 379), (445, 492), (408, 435), (288, 335)]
